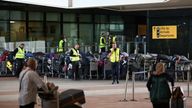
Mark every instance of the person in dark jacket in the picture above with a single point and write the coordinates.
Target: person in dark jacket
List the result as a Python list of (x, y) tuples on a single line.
[(158, 87)]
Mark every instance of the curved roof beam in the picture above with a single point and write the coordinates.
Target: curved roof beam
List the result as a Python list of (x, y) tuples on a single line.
[(86, 3)]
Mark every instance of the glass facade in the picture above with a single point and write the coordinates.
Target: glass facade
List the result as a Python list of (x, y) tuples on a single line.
[(85, 28), (86, 34), (4, 15), (4, 29), (17, 31), (17, 15), (35, 30), (70, 30), (35, 16)]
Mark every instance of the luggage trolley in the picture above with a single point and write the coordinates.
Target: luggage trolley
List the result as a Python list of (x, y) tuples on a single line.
[(93, 67), (107, 66)]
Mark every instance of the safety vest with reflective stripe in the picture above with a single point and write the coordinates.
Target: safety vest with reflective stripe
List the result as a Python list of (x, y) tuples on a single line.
[(60, 48), (115, 54), (20, 53), (101, 44), (75, 56)]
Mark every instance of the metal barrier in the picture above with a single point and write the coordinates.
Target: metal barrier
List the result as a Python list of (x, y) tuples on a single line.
[(133, 83)]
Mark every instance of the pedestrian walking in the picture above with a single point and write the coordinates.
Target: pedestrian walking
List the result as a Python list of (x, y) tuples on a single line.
[(158, 87)]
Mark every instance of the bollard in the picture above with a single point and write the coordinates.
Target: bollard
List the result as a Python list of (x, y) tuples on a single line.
[(188, 80), (144, 77), (127, 76), (133, 86), (45, 79), (42, 66), (52, 66)]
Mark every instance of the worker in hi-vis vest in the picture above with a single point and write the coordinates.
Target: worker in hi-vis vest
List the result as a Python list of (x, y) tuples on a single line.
[(114, 56), (19, 54), (75, 58), (102, 43), (61, 45), (112, 39)]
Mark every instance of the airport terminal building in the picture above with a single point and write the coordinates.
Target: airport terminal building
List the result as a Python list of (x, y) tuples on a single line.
[(166, 24)]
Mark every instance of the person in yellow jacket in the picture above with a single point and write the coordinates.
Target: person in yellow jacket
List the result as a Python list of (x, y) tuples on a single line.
[(114, 56), (19, 54), (75, 58), (102, 43), (61, 45), (112, 39)]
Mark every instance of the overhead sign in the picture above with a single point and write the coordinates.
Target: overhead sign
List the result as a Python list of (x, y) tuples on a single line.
[(164, 32)]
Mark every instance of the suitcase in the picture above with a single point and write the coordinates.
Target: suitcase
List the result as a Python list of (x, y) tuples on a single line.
[(70, 97), (179, 103)]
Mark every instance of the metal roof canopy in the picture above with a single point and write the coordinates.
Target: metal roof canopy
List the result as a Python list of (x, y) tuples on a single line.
[(116, 5)]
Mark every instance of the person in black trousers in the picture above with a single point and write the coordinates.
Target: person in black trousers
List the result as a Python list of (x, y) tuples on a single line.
[(75, 58), (19, 54), (114, 56)]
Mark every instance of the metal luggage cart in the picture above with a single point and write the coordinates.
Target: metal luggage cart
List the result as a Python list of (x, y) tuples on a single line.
[(181, 71), (3, 68), (107, 66), (93, 67)]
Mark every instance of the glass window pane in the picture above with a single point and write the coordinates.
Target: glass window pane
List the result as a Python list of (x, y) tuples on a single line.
[(17, 15), (116, 19), (18, 30), (100, 28), (100, 18), (53, 33), (53, 17), (4, 30), (86, 34), (35, 31), (4, 15), (35, 16), (116, 27), (69, 17), (85, 18), (70, 31)]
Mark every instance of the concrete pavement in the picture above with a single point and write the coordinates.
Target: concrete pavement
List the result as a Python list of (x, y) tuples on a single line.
[(99, 93)]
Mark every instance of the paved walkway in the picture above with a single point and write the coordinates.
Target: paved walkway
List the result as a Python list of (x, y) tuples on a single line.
[(99, 93)]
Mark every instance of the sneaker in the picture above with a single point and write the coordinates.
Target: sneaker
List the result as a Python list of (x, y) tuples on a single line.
[(113, 82)]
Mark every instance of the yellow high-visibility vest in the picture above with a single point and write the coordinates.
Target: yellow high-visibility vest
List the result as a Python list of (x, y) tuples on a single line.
[(75, 56), (20, 53), (115, 55), (60, 47), (101, 44)]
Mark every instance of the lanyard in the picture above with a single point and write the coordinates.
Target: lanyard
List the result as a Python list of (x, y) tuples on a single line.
[(22, 79)]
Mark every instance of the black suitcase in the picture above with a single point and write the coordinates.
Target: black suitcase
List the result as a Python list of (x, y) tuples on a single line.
[(71, 96)]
